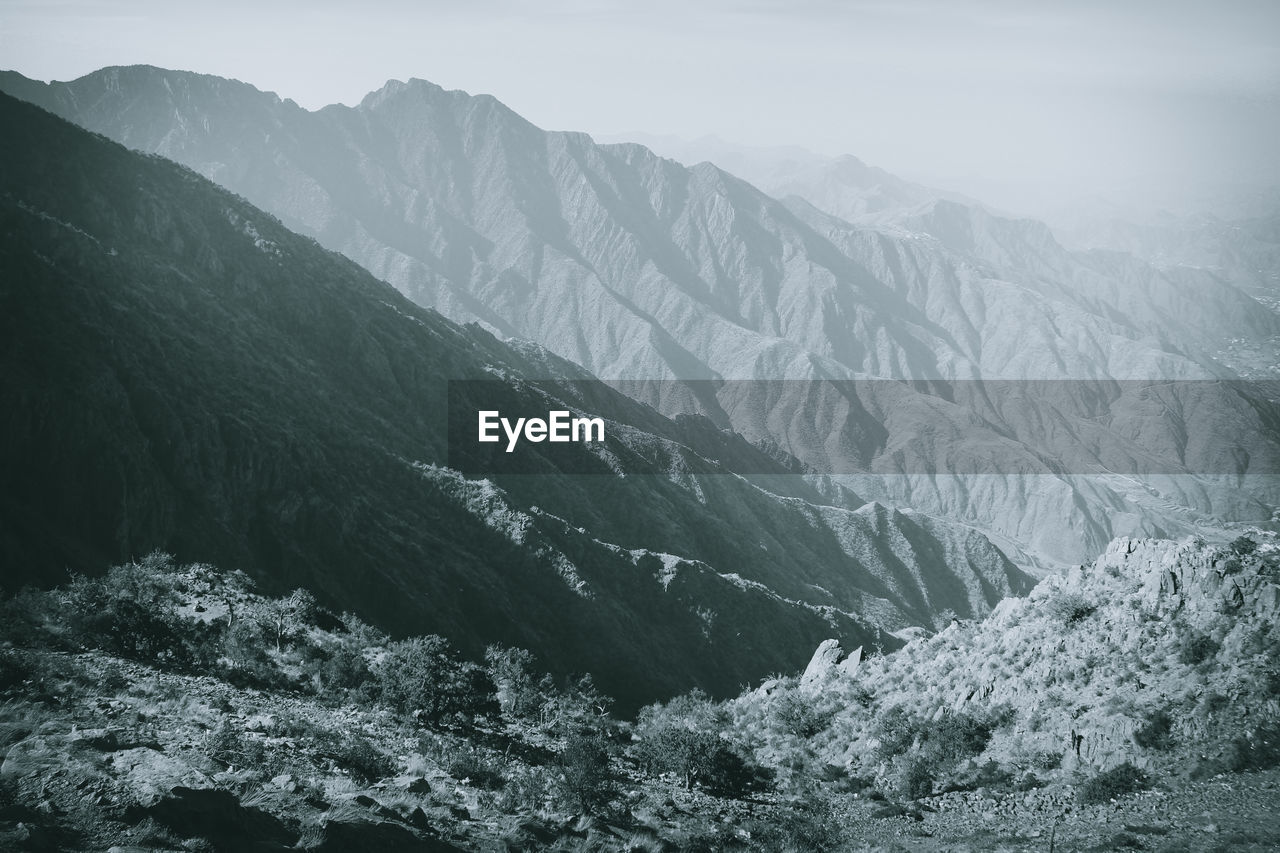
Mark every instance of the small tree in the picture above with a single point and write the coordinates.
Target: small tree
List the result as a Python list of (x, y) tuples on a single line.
[(586, 781), (424, 676), (700, 757), (1113, 784), (1196, 648), (283, 620), (1156, 732), (522, 693), (345, 669)]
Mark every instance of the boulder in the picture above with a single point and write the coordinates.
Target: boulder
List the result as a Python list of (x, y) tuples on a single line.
[(830, 658), (150, 774)]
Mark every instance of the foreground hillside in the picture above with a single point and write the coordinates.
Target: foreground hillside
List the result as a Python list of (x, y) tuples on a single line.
[(167, 707)]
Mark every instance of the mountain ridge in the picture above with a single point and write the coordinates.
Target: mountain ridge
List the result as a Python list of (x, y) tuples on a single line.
[(636, 267), (212, 383)]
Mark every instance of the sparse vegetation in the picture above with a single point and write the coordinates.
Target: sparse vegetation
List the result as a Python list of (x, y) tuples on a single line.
[(1070, 607), (1196, 648), (586, 782), (1156, 732), (426, 678), (343, 714), (1111, 784)]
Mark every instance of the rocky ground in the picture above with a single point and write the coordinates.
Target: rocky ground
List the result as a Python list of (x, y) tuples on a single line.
[(102, 753), (1131, 704)]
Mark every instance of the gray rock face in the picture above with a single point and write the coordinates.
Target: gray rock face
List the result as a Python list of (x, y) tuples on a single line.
[(828, 659), (1184, 629)]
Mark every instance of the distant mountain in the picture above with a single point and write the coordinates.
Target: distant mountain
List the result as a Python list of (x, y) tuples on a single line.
[(641, 269), (843, 186), (1242, 249), (180, 371)]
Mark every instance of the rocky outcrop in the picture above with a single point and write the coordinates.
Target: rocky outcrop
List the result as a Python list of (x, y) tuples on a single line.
[(828, 659), (1182, 632)]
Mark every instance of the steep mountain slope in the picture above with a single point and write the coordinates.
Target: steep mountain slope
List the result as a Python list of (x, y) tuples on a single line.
[(639, 268), (181, 371), (1230, 232)]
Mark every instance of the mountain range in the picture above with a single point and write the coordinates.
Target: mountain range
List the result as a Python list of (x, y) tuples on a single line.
[(640, 269), (182, 371)]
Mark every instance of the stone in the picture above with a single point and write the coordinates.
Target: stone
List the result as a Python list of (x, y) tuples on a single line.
[(285, 782), (827, 659), (151, 774)]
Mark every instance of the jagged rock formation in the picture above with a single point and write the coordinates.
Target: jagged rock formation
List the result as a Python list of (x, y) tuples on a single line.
[(1184, 633), (828, 659), (639, 268)]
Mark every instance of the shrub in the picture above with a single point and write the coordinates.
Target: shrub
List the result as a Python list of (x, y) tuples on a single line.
[(362, 633), (700, 757), (580, 708), (12, 671), (586, 782), (283, 620), (1258, 750), (522, 692), (1070, 607), (483, 772), (692, 710), (841, 780), (916, 780), (128, 613), (245, 651), (1047, 759), (1112, 784), (798, 715), (896, 730), (227, 745), (947, 739), (365, 762), (956, 735), (345, 669), (1156, 732), (810, 825), (424, 676), (1196, 648), (1243, 546)]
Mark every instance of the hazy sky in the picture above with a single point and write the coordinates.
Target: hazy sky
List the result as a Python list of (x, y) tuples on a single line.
[(989, 92)]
